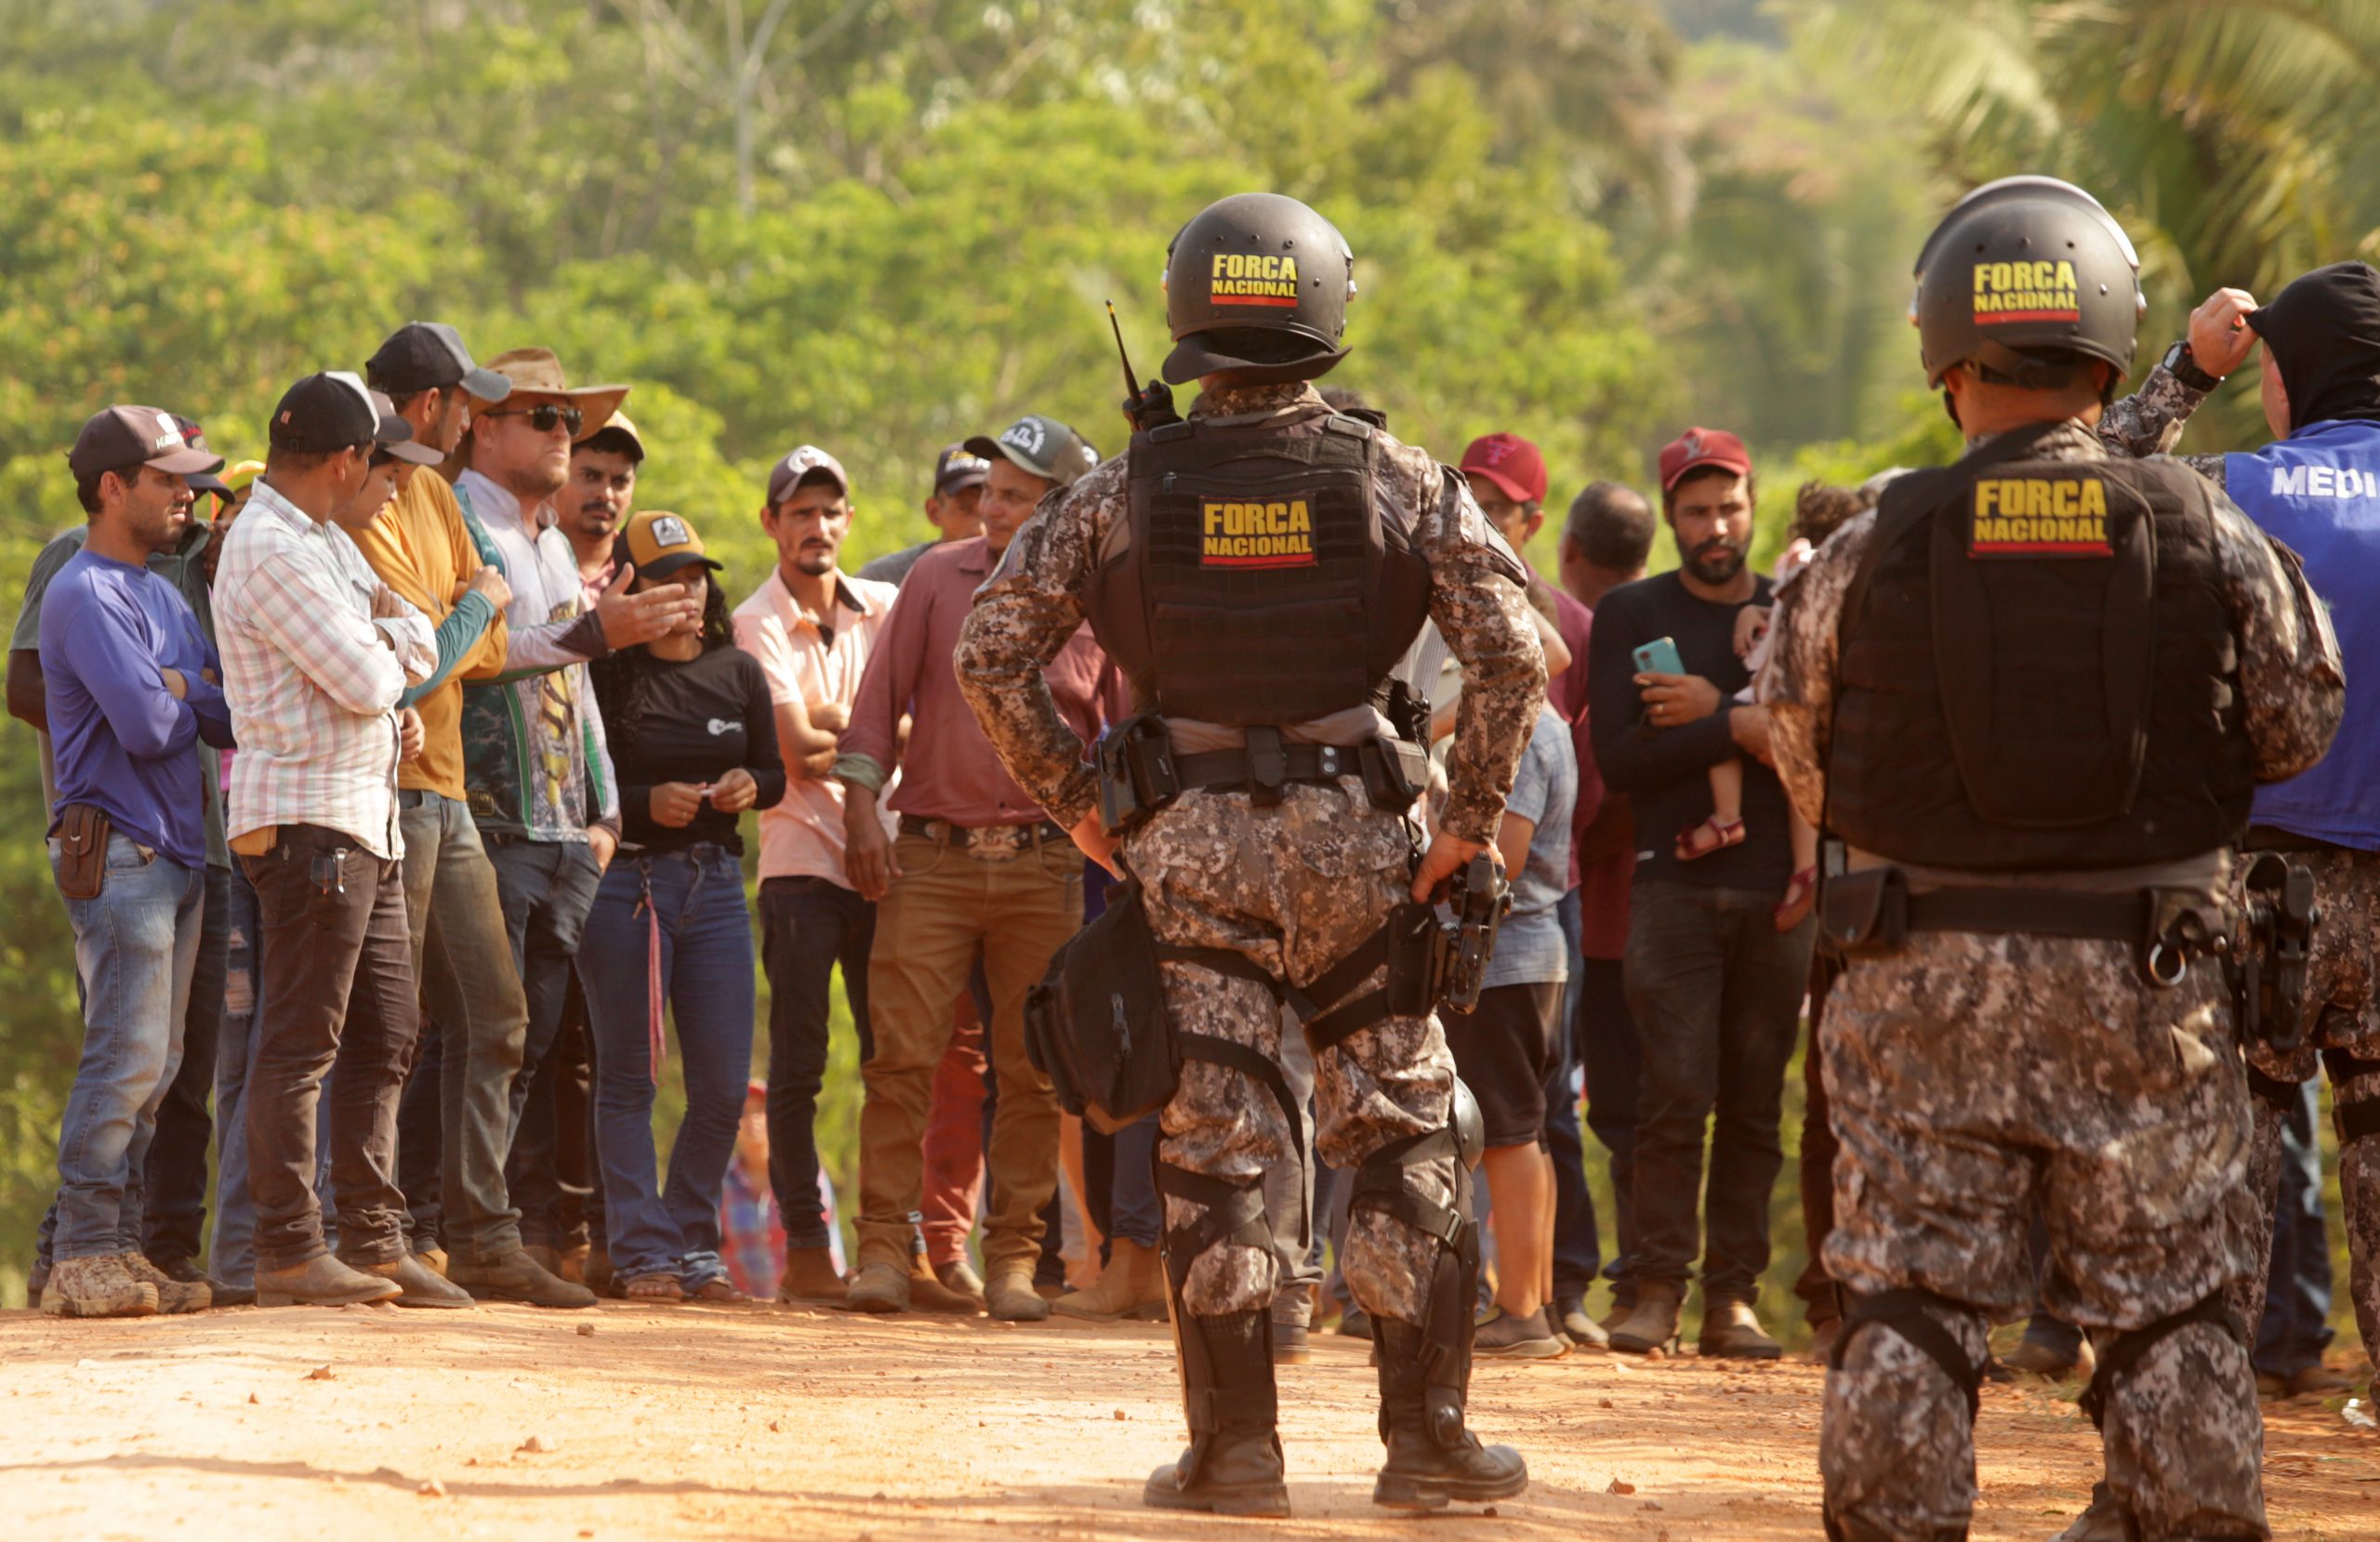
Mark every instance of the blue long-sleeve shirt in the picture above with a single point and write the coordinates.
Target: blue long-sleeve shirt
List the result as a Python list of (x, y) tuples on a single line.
[(124, 742)]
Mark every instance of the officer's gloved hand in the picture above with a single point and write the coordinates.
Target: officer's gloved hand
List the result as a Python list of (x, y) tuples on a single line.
[(1151, 407)]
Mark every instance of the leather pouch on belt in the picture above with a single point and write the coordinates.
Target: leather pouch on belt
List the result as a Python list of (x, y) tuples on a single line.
[(1865, 913), (81, 851)]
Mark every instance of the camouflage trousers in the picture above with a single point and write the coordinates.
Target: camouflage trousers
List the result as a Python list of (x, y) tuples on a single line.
[(1974, 1079), (1293, 889), (2343, 1039)]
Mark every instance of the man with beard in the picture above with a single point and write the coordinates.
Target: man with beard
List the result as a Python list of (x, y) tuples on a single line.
[(599, 496), (1714, 985), (539, 779), (812, 629)]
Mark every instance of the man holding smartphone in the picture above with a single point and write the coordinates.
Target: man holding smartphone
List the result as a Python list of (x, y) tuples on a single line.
[(1714, 987)]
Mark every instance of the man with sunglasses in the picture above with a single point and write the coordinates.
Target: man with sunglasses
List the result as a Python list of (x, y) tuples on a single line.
[(538, 776)]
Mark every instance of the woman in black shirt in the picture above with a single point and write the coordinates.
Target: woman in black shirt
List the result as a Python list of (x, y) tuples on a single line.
[(694, 743)]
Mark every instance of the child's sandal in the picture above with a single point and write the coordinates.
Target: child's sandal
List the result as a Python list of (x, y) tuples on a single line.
[(1799, 892), (1712, 835)]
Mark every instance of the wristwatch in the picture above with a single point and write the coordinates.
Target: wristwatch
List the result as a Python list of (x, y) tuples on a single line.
[(2183, 365)]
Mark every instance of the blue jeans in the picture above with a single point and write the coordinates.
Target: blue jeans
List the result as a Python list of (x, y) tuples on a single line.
[(231, 1255), (706, 942), (1578, 1253), (135, 946), (2296, 1329), (177, 1154)]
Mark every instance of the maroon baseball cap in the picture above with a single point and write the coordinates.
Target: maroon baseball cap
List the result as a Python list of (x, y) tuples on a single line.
[(1699, 447), (127, 436), (1509, 461)]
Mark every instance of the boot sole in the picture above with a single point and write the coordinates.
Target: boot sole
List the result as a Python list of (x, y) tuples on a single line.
[(1526, 1349), (875, 1306), (79, 1307), (1400, 1492), (1269, 1501), (1773, 1351), (1636, 1346), (283, 1298)]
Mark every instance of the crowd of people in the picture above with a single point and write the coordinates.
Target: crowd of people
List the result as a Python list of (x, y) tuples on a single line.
[(399, 785)]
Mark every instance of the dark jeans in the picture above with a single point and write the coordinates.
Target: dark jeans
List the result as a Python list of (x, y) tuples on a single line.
[(545, 888), (1578, 1251), (2296, 1329), (177, 1185), (1716, 991), (808, 926), (1603, 1037), (338, 989), (557, 1184), (696, 900), (473, 992)]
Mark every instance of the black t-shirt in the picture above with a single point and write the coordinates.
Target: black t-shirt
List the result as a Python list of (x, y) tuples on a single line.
[(696, 720), (1665, 771)]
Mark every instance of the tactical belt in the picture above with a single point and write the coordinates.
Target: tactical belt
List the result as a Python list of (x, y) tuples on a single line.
[(2267, 838), (2033, 911)]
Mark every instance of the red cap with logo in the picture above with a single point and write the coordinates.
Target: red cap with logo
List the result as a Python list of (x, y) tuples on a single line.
[(1698, 447), (1509, 461)]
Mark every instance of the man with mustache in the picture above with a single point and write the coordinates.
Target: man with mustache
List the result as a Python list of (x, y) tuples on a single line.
[(1714, 985)]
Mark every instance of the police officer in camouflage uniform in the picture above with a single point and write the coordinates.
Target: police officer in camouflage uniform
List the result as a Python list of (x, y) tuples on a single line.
[(2031, 694), (1257, 572), (2318, 488)]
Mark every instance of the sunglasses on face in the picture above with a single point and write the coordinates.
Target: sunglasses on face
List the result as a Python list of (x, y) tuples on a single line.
[(546, 417)]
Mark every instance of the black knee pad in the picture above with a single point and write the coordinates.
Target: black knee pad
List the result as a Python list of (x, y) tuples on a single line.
[(2356, 1118), (2122, 1354), (1903, 1311)]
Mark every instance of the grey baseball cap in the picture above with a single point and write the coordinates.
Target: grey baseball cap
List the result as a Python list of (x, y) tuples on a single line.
[(1041, 445)]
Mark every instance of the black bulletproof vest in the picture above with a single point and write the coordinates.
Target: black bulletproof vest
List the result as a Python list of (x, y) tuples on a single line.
[(2038, 671), (1261, 585)]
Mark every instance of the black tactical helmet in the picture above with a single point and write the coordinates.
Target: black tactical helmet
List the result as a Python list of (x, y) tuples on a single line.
[(2026, 277), (1259, 284)]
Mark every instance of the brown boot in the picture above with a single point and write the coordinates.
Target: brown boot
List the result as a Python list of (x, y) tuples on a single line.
[(1011, 1296), (811, 1279), (1133, 1286), (173, 1294), (1731, 1332), (930, 1292), (1653, 1325), (97, 1287), (322, 1282)]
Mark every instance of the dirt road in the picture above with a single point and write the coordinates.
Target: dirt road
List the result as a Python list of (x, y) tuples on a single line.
[(753, 1422)]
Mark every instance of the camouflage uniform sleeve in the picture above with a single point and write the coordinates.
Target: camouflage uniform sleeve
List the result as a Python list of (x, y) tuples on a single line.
[(1023, 615), (2150, 421), (1798, 684), (2293, 686), (1482, 613)]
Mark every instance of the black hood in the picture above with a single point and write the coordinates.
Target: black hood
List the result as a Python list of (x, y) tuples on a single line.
[(2324, 332)]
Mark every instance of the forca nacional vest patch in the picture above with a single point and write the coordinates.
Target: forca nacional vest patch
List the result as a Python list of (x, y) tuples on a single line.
[(2039, 517), (1241, 533)]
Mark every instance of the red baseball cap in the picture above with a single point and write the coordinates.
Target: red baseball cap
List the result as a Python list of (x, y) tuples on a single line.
[(1703, 447), (1509, 461)]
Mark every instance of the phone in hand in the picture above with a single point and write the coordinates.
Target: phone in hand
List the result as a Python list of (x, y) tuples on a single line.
[(1659, 657)]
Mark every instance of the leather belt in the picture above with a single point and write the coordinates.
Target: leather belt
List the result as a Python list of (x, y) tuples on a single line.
[(992, 842)]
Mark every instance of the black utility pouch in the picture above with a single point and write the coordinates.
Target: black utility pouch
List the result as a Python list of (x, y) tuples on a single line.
[(83, 832), (1135, 771), (1097, 1025), (1865, 913)]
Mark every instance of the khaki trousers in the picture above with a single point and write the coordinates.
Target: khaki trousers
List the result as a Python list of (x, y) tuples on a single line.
[(943, 907)]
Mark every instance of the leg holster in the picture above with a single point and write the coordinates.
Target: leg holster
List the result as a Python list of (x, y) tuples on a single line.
[(2358, 1118), (1903, 1310), (1445, 1352), (1227, 1361), (2122, 1353)]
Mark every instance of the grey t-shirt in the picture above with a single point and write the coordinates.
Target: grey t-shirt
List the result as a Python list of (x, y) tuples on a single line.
[(1529, 947), (894, 566)]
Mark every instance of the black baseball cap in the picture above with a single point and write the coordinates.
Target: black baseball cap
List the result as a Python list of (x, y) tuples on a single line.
[(422, 356), (115, 436), (1041, 445), (195, 437), (333, 410), (958, 468)]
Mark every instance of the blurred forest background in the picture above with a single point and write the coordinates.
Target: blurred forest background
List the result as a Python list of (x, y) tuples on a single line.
[(881, 225)]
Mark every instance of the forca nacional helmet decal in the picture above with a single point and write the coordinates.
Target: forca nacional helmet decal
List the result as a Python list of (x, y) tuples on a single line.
[(1257, 284), (2021, 273)]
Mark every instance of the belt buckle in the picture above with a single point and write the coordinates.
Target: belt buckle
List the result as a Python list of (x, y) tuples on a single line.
[(996, 842)]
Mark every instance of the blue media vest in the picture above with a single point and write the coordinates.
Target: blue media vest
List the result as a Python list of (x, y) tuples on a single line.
[(2319, 492)]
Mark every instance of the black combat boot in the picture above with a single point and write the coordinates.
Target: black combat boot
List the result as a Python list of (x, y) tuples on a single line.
[(1432, 1459), (1233, 1466)]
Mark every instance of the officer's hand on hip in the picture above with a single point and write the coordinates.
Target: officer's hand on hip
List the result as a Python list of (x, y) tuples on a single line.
[(1442, 861), (1673, 699), (2220, 340), (1094, 841)]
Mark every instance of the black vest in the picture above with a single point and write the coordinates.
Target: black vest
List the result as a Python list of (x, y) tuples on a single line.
[(2038, 671), (1261, 585)]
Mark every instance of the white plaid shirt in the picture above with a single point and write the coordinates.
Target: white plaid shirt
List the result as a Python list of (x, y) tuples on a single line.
[(312, 678)]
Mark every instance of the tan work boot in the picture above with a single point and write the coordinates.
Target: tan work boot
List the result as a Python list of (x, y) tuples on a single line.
[(1730, 1331), (811, 1279), (878, 1287), (433, 1259), (1133, 1286), (573, 1265), (1653, 1325), (97, 1287), (1012, 1298), (173, 1295), (930, 1292)]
